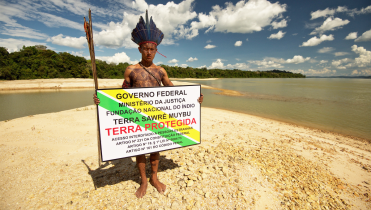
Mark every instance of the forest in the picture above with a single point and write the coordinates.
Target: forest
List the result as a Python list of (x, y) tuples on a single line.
[(37, 62)]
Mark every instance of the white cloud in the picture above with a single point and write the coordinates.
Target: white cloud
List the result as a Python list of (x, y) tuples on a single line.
[(330, 12), (100, 25), (278, 35), (56, 21), (247, 39), (8, 11), (113, 35), (364, 58), (340, 53), (358, 12), (140, 5), (218, 64), (323, 61), (366, 36), (117, 58), (281, 24), (68, 41), (342, 9), (77, 7), (297, 59), (312, 25), (268, 63), (182, 32), (244, 17), (321, 72), (330, 24), (15, 29), (173, 61), (271, 62), (158, 63), (238, 43), (200, 67), (326, 50), (365, 72), (11, 27), (184, 65), (208, 41), (31, 11), (169, 18), (209, 46), (118, 35), (340, 63), (352, 35), (168, 42), (314, 41), (350, 65), (322, 13), (80, 53), (190, 59), (240, 66), (16, 44)]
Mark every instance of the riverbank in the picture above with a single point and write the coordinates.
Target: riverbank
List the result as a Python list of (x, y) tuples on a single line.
[(64, 84), (10, 86), (50, 161)]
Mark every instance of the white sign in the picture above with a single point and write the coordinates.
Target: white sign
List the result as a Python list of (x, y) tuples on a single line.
[(138, 121)]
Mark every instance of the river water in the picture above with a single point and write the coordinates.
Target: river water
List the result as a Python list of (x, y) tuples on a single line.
[(338, 105), (16, 104)]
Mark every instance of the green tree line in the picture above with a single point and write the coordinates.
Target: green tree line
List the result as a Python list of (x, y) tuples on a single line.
[(189, 72), (36, 62)]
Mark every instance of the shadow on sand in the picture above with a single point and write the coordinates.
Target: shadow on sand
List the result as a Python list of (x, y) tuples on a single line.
[(123, 170)]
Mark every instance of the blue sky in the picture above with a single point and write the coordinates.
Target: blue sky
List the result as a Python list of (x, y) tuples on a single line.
[(316, 38)]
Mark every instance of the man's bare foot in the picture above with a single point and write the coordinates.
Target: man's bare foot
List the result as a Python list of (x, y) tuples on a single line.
[(158, 185), (141, 190)]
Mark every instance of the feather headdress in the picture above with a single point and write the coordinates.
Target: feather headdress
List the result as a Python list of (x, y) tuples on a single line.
[(146, 32)]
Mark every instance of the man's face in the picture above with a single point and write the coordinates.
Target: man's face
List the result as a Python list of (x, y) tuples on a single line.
[(148, 51)]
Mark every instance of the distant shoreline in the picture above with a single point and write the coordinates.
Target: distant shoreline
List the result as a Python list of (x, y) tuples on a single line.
[(70, 83), (79, 84), (341, 77)]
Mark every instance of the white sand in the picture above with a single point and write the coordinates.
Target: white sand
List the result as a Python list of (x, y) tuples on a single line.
[(74, 83), (42, 164)]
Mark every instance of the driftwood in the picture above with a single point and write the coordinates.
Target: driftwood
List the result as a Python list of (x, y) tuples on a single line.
[(89, 37)]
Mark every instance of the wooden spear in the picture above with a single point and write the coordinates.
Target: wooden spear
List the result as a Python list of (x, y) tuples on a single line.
[(89, 37)]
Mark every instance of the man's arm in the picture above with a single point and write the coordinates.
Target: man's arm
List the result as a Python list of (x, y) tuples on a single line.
[(165, 79), (127, 73)]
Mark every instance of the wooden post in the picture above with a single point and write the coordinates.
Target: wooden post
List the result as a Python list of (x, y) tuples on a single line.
[(92, 53), (89, 37)]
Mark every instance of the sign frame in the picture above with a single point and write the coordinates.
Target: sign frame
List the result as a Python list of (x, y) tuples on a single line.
[(101, 147)]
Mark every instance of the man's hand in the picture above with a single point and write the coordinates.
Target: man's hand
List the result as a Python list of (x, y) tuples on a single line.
[(96, 99), (201, 98)]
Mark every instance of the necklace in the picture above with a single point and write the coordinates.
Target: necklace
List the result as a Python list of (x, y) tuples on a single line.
[(159, 83)]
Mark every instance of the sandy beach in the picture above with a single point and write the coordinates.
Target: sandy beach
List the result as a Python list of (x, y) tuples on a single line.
[(50, 161), (72, 83), (79, 83)]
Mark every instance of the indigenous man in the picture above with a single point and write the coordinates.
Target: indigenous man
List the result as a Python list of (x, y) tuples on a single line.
[(147, 74)]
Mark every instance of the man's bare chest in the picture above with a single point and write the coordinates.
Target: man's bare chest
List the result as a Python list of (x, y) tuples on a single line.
[(141, 78)]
